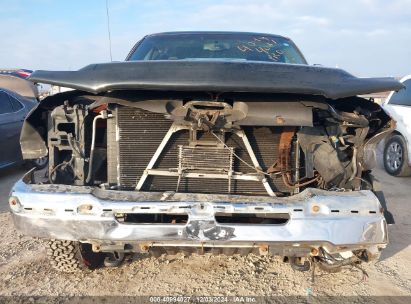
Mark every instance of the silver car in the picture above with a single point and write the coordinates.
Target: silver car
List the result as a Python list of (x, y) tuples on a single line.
[(397, 150)]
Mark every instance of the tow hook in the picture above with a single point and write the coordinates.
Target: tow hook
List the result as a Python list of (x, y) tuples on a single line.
[(300, 264), (114, 259)]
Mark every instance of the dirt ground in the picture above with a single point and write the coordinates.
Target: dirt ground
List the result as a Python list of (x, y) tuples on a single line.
[(24, 269)]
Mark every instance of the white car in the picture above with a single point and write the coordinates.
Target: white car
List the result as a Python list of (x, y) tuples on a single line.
[(397, 149)]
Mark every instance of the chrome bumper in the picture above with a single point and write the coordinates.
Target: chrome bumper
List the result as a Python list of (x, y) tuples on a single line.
[(334, 220)]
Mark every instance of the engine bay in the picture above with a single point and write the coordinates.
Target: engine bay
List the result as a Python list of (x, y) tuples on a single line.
[(247, 146)]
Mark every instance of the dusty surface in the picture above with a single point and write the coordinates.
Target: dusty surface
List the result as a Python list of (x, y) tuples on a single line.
[(24, 269)]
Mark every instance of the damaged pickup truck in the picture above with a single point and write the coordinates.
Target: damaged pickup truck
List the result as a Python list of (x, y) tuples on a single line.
[(199, 142)]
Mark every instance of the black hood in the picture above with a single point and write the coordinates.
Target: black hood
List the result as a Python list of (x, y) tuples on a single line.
[(218, 77)]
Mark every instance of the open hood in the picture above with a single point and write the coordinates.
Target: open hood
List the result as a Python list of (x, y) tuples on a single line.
[(217, 76)]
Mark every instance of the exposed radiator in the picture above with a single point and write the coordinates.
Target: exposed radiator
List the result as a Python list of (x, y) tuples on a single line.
[(134, 136)]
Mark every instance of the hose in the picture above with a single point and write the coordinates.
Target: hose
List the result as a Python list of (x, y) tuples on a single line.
[(354, 164), (338, 264), (348, 117), (300, 183), (93, 144), (333, 263), (61, 165)]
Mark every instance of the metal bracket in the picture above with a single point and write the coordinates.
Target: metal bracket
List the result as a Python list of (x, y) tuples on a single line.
[(250, 151), (231, 175), (174, 128)]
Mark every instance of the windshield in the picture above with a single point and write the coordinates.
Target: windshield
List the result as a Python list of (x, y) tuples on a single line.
[(217, 46)]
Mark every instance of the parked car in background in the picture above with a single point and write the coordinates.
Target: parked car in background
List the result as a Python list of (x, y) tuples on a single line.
[(17, 83), (397, 149), (21, 73), (13, 110)]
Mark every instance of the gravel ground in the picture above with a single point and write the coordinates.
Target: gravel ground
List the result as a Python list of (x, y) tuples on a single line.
[(24, 269)]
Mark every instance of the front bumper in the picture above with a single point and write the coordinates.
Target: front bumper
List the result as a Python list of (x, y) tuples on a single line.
[(336, 221)]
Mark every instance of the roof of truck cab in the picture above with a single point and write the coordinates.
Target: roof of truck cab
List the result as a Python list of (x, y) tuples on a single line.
[(214, 32)]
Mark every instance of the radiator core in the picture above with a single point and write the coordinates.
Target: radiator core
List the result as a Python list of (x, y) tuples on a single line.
[(135, 134)]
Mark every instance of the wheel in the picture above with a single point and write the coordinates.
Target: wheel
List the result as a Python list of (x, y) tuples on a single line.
[(396, 157), (39, 163), (69, 256)]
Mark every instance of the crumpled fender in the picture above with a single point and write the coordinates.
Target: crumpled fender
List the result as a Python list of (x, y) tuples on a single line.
[(33, 136)]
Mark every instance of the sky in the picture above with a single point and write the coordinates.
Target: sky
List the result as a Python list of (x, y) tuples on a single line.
[(365, 37)]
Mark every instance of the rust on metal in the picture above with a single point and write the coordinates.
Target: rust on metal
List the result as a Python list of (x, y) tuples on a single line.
[(314, 251), (283, 164), (95, 248), (263, 249), (144, 247), (315, 208)]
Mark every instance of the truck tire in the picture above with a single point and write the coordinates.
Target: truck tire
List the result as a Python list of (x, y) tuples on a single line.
[(396, 156), (69, 256)]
